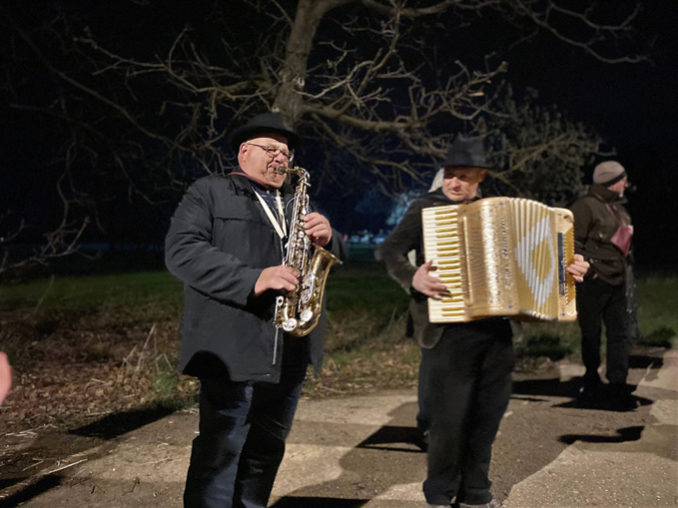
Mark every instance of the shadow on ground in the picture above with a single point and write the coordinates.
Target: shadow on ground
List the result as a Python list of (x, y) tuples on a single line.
[(117, 424), (27, 493), (22, 480), (318, 502)]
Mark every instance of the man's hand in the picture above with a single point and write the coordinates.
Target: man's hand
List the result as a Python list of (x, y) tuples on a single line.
[(428, 284), (279, 278), (318, 228), (578, 268)]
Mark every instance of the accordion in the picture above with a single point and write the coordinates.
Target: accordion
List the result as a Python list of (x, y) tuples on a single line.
[(501, 257)]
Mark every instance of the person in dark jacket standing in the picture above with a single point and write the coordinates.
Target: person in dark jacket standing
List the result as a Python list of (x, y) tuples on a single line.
[(465, 372), (226, 244), (603, 233)]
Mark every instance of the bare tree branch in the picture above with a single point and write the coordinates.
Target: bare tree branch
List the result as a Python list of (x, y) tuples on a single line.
[(367, 81)]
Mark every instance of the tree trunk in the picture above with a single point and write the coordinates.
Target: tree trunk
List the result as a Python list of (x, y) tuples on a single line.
[(289, 101)]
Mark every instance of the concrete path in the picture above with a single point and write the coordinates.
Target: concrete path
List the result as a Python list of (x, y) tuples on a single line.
[(358, 452), (622, 473)]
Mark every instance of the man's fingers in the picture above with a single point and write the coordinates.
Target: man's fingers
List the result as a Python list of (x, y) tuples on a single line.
[(578, 268), (318, 228), (428, 284), (436, 289), (279, 278), (286, 279)]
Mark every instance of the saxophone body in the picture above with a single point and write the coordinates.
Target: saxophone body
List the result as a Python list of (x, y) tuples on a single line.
[(298, 312)]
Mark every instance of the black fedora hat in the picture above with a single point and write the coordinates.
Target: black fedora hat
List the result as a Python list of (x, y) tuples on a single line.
[(261, 124), (468, 152)]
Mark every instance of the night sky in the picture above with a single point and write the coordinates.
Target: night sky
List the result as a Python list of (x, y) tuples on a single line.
[(632, 106)]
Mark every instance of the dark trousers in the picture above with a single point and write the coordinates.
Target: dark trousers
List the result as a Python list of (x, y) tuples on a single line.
[(599, 302), (467, 378), (243, 427), (423, 418)]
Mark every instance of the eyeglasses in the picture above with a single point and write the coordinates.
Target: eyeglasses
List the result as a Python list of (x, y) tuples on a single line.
[(274, 152)]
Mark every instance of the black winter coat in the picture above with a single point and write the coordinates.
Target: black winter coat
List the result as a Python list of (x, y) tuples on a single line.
[(219, 241), (597, 215)]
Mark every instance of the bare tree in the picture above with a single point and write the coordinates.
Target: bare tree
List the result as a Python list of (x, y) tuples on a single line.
[(60, 241), (541, 151), (353, 74), (366, 82)]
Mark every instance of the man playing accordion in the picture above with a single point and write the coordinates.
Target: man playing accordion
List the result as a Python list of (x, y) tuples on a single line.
[(465, 371)]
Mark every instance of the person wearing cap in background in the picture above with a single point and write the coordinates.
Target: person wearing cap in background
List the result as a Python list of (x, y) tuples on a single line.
[(602, 234), (465, 371), (226, 244)]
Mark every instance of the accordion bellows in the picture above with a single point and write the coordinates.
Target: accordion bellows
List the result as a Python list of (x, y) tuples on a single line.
[(501, 257)]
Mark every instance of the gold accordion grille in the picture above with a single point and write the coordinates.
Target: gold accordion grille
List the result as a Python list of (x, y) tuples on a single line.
[(501, 257)]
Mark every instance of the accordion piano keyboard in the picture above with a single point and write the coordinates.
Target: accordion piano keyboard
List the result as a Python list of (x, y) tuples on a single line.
[(443, 248)]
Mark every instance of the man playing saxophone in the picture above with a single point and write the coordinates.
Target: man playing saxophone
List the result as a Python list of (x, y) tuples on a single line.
[(226, 243)]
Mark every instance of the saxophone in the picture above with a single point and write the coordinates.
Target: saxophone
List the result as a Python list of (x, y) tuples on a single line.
[(297, 312)]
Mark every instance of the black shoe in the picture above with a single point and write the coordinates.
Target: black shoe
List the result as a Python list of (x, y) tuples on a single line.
[(589, 396), (492, 504), (620, 398)]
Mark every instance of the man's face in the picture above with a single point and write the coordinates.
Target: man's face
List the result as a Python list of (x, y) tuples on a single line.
[(265, 158), (461, 184), (619, 186)]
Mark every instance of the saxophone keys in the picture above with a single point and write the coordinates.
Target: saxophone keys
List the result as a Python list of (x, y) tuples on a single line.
[(308, 289), (305, 316), (289, 324)]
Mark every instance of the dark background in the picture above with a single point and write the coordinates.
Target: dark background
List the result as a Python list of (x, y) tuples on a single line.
[(632, 106)]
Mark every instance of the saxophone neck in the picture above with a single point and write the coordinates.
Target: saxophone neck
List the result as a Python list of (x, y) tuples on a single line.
[(300, 172)]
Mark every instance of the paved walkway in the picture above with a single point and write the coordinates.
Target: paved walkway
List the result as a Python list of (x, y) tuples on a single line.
[(623, 472), (357, 452)]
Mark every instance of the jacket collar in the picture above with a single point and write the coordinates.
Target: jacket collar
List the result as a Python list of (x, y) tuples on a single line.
[(256, 183), (604, 194)]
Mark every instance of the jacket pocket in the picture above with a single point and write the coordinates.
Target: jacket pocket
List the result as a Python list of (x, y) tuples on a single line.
[(237, 208), (242, 229)]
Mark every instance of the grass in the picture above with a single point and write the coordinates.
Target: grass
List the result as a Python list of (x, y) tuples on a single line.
[(657, 306), (156, 289), (133, 319), (657, 296)]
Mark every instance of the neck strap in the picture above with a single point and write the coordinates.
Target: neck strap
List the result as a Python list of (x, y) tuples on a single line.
[(279, 226)]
